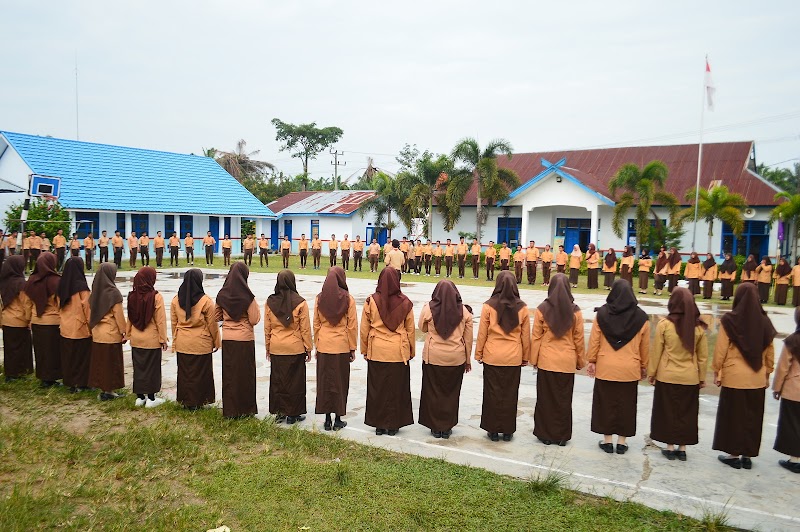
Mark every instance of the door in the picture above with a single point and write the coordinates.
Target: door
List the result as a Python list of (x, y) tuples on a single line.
[(227, 223), (140, 223), (213, 226), (274, 234), (287, 229), (370, 232), (572, 237)]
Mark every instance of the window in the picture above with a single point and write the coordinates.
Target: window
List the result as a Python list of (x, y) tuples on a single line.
[(121, 223), (632, 240), (187, 225), (169, 225), (140, 223), (314, 229), (753, 240), (574, 231), (508, 230), (87, 221)]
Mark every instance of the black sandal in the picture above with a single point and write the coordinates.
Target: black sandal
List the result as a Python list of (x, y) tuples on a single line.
[(607, 447), (622, 448)]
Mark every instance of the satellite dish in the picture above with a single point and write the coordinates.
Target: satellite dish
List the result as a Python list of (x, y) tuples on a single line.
[(749, 213)]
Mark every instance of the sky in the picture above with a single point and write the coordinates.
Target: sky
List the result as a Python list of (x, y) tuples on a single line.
[(186, 75)]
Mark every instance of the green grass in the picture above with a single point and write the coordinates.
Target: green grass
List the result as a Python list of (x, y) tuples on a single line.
[(69, 461)]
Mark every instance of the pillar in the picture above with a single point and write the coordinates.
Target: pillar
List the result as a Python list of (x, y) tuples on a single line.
[(595, 227), (523, 237)]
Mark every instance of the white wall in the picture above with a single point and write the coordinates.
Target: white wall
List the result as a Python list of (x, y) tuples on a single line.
[(14, 170), (328, 225)]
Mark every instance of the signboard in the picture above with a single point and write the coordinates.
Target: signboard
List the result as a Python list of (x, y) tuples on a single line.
[(42, 185), (558, 241)]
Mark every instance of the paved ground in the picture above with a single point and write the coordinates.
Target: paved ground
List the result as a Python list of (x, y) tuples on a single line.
[(763, 498)]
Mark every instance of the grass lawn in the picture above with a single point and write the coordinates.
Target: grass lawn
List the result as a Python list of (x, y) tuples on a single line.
[(69, 461)]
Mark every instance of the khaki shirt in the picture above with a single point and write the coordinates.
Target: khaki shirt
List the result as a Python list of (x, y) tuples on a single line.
[(155, 333), (263, 243), (624, 364), (561, 258), (532, 254), (519, 256), (316, 244), (144, 241), (18, 312), (75, 317), (547, 257), (88, 243), (449, 250), (394, 259), (345, 244), (75, 244), (292, 340), (453, 351), (491, 252), (764, 273), (45, 243), (241, 330), (158, 242), (341, 338), (461, 249), (117, 241), (188, 243), (795, 275), (609, 269), (111, 328), (174, 242), (102, 241), (505, 253), (561, 355), (476, 249), (437, 251), (302, 244), (671, 362), (209, 240), (711, 274), (286, 245), (626, 261), (787, 376), (734, 371), (248, 243), (227, 243), (381, 344), (59, 241), (51, 314), (133, 242), (497, 348), (374, 249), (199, 333), (592, 261), (645, 265), (333, 245), (575, 261), (692, 270)]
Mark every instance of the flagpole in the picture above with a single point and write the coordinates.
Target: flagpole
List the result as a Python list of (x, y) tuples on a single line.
[(699, 161)]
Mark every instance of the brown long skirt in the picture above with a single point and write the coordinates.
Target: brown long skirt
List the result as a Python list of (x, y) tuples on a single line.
[(608, 279), (75, 357), (500, 398), (573, 275), (659, 281), (787, 441), (195, 380), (239, 378), (146, 370), (644, 280), (614, 407), (727, 288), (672, 279), (763, 292), (388, 395), (740, 416), (591, 278), (333, 383), (626, 273), (106, 369), (796, 296), (675, 411), (781, 291), (17, 351), (552, 418), (287, 385), (47, 350), (694, 286), (708, 289), (441, 391)]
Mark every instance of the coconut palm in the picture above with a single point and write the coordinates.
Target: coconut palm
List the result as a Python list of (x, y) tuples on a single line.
[(390, 196), (716, 204), (479, 168), (425, 183), (788, 211), (240, 163)]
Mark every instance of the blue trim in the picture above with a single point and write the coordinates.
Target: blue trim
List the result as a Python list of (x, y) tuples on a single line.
[(555, 168)]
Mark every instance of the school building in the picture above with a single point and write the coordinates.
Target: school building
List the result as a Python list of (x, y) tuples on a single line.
[(112, 188)]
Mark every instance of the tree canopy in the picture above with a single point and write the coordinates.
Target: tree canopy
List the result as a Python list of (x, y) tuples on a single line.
[(40, 209), (787, 179), (305, 141)]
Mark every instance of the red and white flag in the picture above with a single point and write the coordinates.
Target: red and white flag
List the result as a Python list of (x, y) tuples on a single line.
[(710, 88)]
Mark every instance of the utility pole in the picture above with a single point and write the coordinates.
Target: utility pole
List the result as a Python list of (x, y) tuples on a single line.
[(335, 162)]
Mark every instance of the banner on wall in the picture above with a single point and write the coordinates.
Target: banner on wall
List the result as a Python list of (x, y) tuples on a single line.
[(558, 241)]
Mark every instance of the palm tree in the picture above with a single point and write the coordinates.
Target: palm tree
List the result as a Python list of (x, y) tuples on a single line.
[(479, 168), (425, 183), (716, 204), (788, 211), (389, 198), (641, 187), (240, 162)]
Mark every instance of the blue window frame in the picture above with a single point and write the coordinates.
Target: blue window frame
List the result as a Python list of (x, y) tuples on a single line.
[(140, 223), (87, 221), (575, 231), (508, 230), (227, 226), (169, 225), (314, 229), (121, 223), (632, 240), (753, 240), (187, 225)]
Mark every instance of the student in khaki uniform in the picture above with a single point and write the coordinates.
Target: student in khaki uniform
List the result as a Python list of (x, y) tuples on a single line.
[(609, 268), (709, 275), (286, 249), (531, 260), (45, 242), (102, 245), (35, 245), (677, 369), (428, 256), (395, 257), (743, 360), (316, 251), (475, 257), (547, 264), (449, 251), (795, 283), (749, 269), (504, 255), (345, 246), (626, 265), (147, 331), (133, 249), (561, 260), (727, 276), (76, 337), (333, 249), (227, 246), (248, 245), (786, 388), (692, 273), (208, 245), (387, 343), (446, 357), (660, 271), (764, 278), (287, 334), (75, 246), (60, 245), (461, 255), (335, 343), (303, 247), (118, 244), (411, 258), (619, 350), (263, 250), (592, 265), (374, 252), (144, 249), (188, 244), (575, 259), (782, 276), (404, 250), (42, 291), (238, 311), (491, 253), (387, 247), (159, 245), (519, 260), (645, 263), (557, 351), (88, 249), (15, 316), (358, 253), (10, 243), (195, 336), (107, 322), (503, 347), (438, 252), (174, 246), (418, 251), (673, 268)]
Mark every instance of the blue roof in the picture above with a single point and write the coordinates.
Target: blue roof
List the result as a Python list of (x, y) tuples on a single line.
[(101, 177)]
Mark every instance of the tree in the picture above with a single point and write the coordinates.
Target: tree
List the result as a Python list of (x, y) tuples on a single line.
[(40, 211), (425, 182), (787, 179), (305, 141), (716, 204), (788, 211), (239, 162), (640, 189), (389, 198), (479, 168)]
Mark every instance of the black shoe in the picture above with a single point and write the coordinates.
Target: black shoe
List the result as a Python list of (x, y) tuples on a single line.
[(546, 442), (494, 436), (562, 443), (446, 434), (328, 425), (339, 424), (73, 389), (680, 455), (607, 447), (49, 384), (794, 467), (436, 434), (12, 379), (734, 461), (291, 420), (621, 448), (393, 432), (280, 419), (380, 432), (105, 396), (670, 455), (507, 437), (747, 463)]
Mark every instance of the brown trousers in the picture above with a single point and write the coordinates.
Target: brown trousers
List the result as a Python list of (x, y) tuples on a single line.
[(462, 262), (159, 256), (448, 265), (532, 272), (489, 268), (546, 272), (476, 265), (518, 270)]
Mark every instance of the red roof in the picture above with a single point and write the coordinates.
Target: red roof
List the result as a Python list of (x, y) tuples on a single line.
[(338, 202), (724, 161)]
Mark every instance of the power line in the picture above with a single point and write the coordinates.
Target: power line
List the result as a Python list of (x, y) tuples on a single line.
[(335, 162)]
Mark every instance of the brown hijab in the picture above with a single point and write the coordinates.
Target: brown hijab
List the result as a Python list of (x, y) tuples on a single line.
[(674, 257), (683, 312), (559, 307), (693, 259), (710, 262), (748, 326), (393, 305), (12, 278), (620, 318), (191, 290), (783, 268), (334, 300), (73, 280), (792, 342), (285, 299), (591, 250), (142, 299), (43, 282), (750, 264), (505, 300), (728, 265), (611, 257), (446, 308), (105, 293), (235, 296), (661, 261)]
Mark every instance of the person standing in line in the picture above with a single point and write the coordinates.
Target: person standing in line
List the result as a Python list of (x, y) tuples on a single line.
[(645, 263), (35, 248), (749, 270), (358, 253), (76, 337), (316, 251), (418, 250), (796, 283), (144, 249), (188, 244), (333, 249), (15, 316), (335, 343), (626, 265), (475, 252), (782, 275), (88, 248), (764, 278), (437, 257), (42, 291), (505, 256), (263, 251), (102, 245), (60, 245), (575, 259), (491, 253), (446, 357), (238, 311), (75, 246), (147, 331), (619, 350), (45, 242), (387, 247), (286, 249), (133, 249), (118, 243), (692, 273), (461, 255), (503, 347), (609, 268), (531, 260), (303, 249), (428, 255), (743, 360), (561, 260), (557, 351), (345, 245), (727, 276), (227, 246), (547, 265), (374, 251), (411, 268), (786, 388), (287, 334), (11, 243), (174, 246), (660, 271), (449, 251), (387, 343), (248, 245), (395, 257), (673, 268), (519, 259), (195, 336), (677, 369), (404, 250), (208, 245), (709, 275), (108, 325), (159, 245), (592, 265)]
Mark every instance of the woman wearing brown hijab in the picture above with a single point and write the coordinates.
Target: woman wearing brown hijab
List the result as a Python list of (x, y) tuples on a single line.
[(764, 278), (796, 283), (678, 371), (619, 348), (786, 387), (76, 338), (609, 268), (287, 334), (503, 347), (107, 321), (387, 343), (743, 359), (557, 351), (660, 271), (645, 263), (709, 275), (592, 264), (749, 270), (626, 265), (147, 332), (782, 276), (692, 273), (673, 268), (335, 341), (195, 336), (238, 311), (447, 324), (42, 290), (15, 314), (727, 276)]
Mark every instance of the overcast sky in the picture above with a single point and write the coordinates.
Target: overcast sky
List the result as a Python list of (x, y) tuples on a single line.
[(182, 76)]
